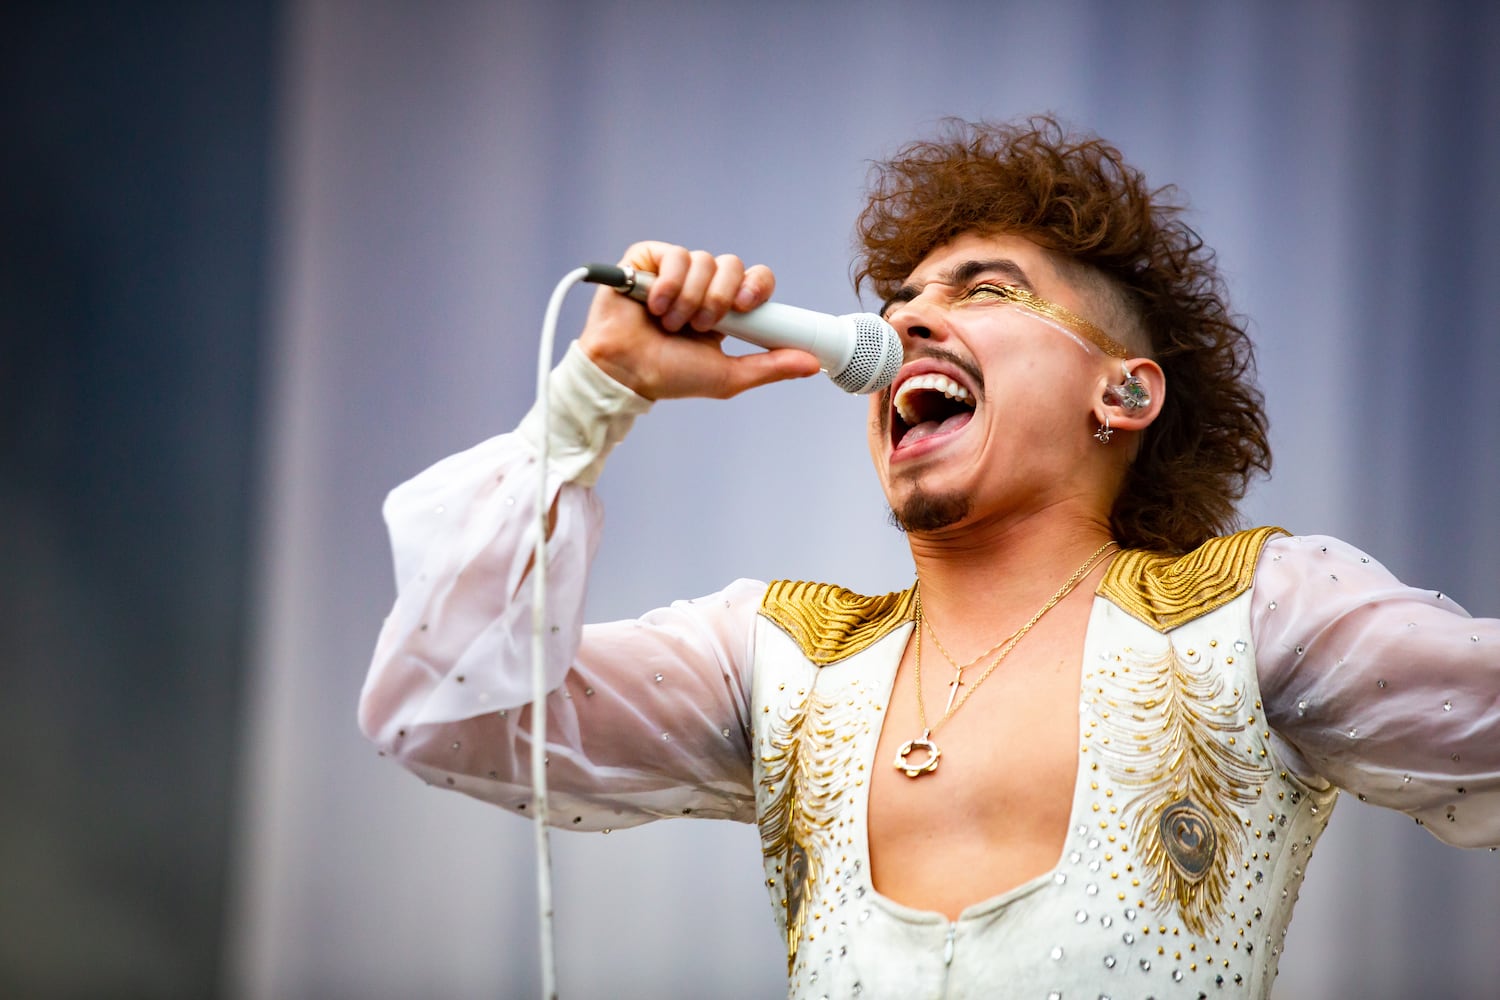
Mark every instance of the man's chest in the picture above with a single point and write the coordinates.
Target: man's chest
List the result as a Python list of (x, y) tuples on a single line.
[(993, 812)]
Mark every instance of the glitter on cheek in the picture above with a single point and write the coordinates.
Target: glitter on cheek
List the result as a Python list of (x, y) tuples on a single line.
[(1084, 345)]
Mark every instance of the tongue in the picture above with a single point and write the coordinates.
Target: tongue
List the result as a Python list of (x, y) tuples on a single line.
[(928, 428)]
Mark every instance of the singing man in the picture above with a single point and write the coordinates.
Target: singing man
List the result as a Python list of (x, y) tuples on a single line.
[(1090, 749)]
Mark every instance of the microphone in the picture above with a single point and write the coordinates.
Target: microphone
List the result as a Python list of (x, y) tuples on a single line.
[(860, 352)]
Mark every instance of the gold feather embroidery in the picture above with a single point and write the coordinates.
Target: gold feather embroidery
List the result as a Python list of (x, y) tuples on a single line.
[(804, 773), (1179, 746)]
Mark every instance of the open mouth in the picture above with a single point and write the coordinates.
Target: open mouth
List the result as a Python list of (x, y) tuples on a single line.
[(927, 405)]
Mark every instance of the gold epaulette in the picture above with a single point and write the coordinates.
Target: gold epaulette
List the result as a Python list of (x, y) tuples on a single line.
[(1167, 591), (830, 623)]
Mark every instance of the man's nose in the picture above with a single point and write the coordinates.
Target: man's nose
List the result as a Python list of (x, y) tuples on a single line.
[(918, 319)]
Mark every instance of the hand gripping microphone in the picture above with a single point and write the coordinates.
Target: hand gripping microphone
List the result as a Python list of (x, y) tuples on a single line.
[(861, 352)]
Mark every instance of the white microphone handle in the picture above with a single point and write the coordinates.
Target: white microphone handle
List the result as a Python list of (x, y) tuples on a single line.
[(771, 325)]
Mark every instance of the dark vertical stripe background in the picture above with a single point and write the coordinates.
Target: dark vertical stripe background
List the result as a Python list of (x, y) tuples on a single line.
[(133, 208)]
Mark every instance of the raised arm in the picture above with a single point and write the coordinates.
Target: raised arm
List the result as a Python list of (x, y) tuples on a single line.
[(1388, 691), (646, 718)]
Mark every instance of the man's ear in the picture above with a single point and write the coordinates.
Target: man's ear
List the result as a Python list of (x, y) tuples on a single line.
[(1133, 399)]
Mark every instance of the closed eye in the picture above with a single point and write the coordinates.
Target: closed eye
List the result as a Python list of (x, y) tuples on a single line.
[(990, 289)]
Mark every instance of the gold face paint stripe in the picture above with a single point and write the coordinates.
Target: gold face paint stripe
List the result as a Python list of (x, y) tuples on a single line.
[(1065, 317)]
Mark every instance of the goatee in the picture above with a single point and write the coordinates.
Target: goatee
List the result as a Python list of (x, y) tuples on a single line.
[(923, 512)]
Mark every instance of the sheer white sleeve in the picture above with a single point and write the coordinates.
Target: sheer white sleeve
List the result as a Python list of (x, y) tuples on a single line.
[(646, 718), (1388, 691)]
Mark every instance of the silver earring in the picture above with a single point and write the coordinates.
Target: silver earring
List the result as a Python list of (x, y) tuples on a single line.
[(1102, 435), (1130, 394)]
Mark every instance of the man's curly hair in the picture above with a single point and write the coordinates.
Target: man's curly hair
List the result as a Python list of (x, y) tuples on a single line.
[(1076, 196)]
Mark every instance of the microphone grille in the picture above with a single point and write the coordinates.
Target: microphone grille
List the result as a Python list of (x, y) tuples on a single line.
[(876, 359)]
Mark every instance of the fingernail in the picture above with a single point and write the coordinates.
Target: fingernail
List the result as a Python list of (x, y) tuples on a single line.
[(744, 299), (703, 319)]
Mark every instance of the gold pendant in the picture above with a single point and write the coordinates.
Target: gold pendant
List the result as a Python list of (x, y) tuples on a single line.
[(923, 743)]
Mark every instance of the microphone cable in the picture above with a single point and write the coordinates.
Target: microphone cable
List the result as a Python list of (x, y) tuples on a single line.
[(540, 807)]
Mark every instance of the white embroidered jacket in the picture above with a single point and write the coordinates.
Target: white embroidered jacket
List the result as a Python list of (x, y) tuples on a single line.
[(1223, 698), (1188, 834)]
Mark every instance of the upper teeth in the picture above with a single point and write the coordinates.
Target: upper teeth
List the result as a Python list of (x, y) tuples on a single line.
[(940, 383)]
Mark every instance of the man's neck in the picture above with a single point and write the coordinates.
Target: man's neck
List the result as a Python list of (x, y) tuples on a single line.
[(999, 574)]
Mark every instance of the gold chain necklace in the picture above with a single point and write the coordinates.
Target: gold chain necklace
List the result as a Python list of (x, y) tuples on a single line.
[(960, 667), (924, 742)]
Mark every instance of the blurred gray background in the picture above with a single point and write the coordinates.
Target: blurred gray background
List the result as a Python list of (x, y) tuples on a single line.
[(261, 261)]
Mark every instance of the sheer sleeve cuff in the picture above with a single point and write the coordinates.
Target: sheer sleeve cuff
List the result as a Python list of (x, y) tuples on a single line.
[(590, 414)]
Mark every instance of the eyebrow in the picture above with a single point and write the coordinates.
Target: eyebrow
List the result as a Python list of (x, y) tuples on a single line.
[(961, 274)]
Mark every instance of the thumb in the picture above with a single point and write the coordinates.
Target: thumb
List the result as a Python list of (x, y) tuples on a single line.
[(747, 371)]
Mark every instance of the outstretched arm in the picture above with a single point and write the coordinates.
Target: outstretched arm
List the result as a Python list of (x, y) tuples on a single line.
[(1385, 690)]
